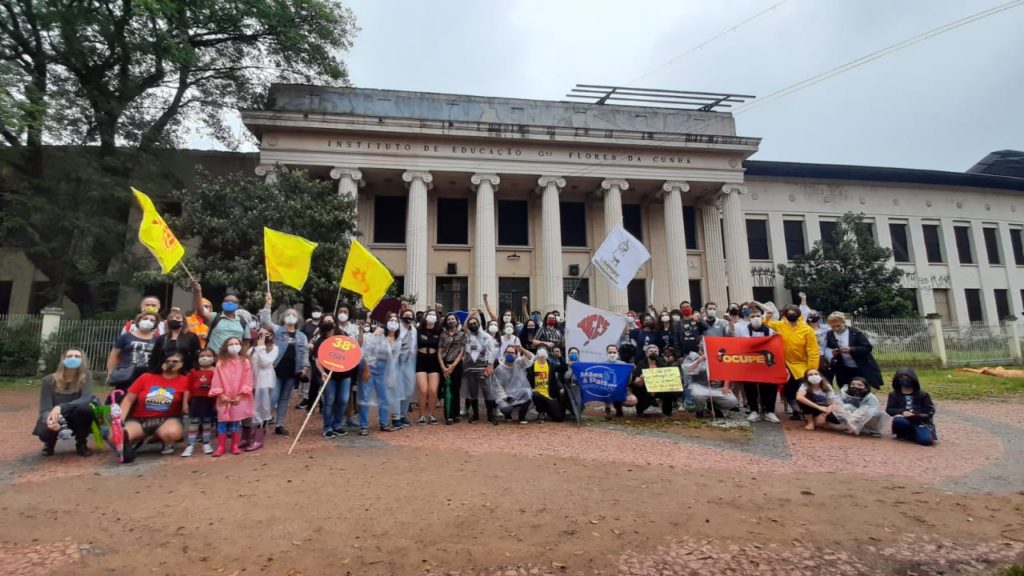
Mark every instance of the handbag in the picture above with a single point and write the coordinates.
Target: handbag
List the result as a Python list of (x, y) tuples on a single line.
[(122, 375)]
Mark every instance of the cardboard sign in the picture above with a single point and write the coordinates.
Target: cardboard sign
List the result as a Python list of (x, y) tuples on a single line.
[(663, 380), (339, 353)]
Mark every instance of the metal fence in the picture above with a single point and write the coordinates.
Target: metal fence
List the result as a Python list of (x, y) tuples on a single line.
[(22, 344), (976, 344), (93, 337), (19, 343), (899, 341)]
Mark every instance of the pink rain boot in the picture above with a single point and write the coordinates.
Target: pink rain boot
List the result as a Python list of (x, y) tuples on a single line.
[(221, 440), (236, 439), (258, 435)]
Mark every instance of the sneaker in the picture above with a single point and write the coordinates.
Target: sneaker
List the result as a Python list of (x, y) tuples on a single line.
[(754, 417), (167, 450), (522, 421), (329, 434), (207, 448), (280, 430), (340, 432), (188, 451), (387, 428), (396, 425), (364, 432), (771, 417), (876, 434), (422, 421), (302, 405), (406, 423), (431, 420)]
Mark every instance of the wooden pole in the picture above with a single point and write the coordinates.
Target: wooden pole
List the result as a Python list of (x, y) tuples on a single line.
[(319, 395)]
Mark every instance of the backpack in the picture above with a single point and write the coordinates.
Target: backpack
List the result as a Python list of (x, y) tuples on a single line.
[(213, 326)]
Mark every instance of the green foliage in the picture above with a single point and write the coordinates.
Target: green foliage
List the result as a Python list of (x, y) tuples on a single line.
[(849, 273), (19, 348), (228, 215)]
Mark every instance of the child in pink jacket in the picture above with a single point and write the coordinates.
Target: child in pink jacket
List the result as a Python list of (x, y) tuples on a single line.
[(232, 387)]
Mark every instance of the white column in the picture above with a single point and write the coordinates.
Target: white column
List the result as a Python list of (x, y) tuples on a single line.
[(1016, 305), (350, 180), (268, 172), (675, 242), (550, 271), (737, 258), (714, 254), (416, 241), (485, 272), (612, 189)]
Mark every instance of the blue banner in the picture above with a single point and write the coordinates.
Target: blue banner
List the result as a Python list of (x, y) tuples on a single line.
[(602, 382)]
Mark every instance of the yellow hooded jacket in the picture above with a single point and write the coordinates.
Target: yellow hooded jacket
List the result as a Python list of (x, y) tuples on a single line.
[(799, 344)]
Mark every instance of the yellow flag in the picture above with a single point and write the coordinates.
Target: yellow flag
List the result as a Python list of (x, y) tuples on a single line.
[(365, 275), (287, 257), (155, 235)]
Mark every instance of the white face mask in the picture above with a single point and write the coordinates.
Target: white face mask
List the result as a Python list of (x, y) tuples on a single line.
[(712, 312), (342, 318), (814, 379), (146, 325), (492, 329), (542, 353), (664, 318), (366, 329), (507, 317), (316, 315), (393, 325), (613, 356), (755, 322), (291, 319), (676, 317), (234, 349), (206, 360), (509, 330), (431, 319)]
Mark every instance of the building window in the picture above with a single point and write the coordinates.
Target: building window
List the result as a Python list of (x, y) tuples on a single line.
[(389, 213), (632, 220), (574, 224), (991, 236), (1017, 242), (637, 295), (582, 291), (932, 243), (400, 285), (796, 245), (828, 236), (757, 239), (911, 296), (690, 223), (513, 223), (973, 297), (962, 234), (1002, 302), (764, 294), (510, 296), (866, 229), (453, 293), (452, 221), (696, 295), (900, 243)]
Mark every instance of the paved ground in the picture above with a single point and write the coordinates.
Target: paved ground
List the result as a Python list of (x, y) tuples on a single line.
[(611, 497)]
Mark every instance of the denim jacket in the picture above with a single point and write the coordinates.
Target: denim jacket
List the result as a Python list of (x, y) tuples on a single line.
[(281, 341)]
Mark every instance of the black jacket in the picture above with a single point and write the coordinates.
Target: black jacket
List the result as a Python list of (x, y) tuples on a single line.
[(860, 349), (686, 336), (920, 403)]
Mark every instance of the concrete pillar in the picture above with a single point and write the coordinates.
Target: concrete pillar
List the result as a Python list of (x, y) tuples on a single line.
[(485, 272), (938, 341), (1016, 300), (675, 241), (1013, 331), (350, 180), (550, 269), (416, 241), (714, 254), (268, 172), (737, 257), (612, 189)]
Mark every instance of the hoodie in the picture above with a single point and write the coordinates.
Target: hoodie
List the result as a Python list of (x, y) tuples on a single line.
[(920, 403)]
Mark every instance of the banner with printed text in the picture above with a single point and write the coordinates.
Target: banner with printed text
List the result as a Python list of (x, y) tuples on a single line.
[(746, 359), (590, 330), (602, 382), (620, 256)]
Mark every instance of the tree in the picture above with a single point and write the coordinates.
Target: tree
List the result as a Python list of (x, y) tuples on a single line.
[(224, 218), (130, 77), (849, 272)]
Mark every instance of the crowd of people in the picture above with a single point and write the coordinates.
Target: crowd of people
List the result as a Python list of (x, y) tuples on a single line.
[(226, 379)]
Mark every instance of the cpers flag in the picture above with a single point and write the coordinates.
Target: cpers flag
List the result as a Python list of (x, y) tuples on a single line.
[(620, 256), (155, 235), (287, 257), (746, 359), (590, 330), (365, 275)]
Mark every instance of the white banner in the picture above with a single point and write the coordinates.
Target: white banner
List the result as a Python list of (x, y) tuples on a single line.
[(591, 330), (620, 256)]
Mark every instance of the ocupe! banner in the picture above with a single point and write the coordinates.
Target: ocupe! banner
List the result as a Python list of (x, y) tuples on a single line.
[(746, 359), (602, 382)]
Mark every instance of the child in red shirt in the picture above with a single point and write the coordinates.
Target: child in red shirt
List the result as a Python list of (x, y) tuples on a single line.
[(202, 410)]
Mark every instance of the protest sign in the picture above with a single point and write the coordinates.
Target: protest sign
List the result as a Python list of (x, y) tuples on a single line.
[(604, 382), (663, 380), (746, 359)]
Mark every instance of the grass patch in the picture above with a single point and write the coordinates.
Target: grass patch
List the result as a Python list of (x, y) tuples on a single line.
[(952, 385), (18, 382)]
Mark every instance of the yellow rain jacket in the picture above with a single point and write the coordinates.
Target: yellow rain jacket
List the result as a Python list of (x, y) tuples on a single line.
[(800, 345)]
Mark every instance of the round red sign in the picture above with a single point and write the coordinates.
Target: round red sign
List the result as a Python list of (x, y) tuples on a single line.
[(339, 353)]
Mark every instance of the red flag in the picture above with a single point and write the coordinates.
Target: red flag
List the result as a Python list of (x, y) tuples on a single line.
[(746, 359)]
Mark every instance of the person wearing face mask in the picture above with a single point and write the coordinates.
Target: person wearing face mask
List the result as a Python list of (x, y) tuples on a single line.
[(64, 403), (818, 400), (380, 349), (199, 410), (129, 358), (428, 367), (176, 338), (312, 323), (226, 324), (526, 335), (644, 336), (511, 385), (707, 395), (548, 335), (147, 304), (800, 347), (652, 359), (153, 407), (291, 359), (858, 409), (687, 332), (911, 409), (232, 389), (197, 326), (663, 329), (262, 357), (451, 347), (851, 353), (547, 392), (348, 382), (715, 324), (761, 397), (615, 355), (479, 352), (508, 338), (405, 372)]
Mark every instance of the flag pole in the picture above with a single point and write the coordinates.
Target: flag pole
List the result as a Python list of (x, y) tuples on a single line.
[(580, 279), (337, 300), (319, 395), (185, 268)]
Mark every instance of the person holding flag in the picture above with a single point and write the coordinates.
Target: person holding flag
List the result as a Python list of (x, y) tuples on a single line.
[(226, 324)]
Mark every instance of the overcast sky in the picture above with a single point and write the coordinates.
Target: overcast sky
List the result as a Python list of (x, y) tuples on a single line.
[(942, 104)]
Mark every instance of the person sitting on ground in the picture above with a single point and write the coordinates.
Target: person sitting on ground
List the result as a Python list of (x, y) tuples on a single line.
[(153, 407), (717, 396), (911, 409), (547, 391), (859, 409), (511, 386), (645, 399), (818, 400), (64, 404)]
